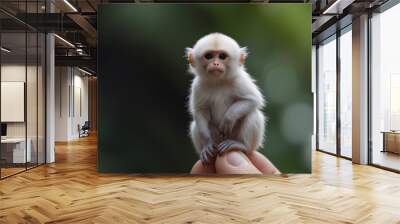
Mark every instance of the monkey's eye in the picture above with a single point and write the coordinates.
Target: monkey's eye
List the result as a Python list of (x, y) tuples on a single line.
[(208, 56), (222, 56)]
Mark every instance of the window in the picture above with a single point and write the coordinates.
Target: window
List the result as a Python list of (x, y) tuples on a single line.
[(22, 101), (385, 89), (327, 95), (346, 93)]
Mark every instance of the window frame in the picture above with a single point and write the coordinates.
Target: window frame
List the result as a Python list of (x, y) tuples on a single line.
[(333, 37)]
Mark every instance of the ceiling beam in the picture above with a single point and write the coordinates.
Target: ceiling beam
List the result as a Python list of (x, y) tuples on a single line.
[(337, 7), (82, 61)]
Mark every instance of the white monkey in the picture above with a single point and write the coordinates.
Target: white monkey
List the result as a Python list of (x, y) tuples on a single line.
[(225, 102)]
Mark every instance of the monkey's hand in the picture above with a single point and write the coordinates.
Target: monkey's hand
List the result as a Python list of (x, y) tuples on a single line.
[(229, 144), (227, 125), (208, 153)]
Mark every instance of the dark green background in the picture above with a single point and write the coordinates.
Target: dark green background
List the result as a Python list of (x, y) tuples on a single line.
[(143, 80)]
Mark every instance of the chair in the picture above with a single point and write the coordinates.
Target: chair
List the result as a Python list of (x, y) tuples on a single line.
[(84, 130)]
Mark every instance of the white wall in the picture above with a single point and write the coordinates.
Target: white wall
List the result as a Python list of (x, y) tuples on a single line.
[(71, 93), (80, 103), (12, 73), (16, 73), (12, 101), (62, 81), (33, 127)]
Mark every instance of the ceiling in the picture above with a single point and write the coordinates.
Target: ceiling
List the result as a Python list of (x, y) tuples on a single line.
[(76, 21)]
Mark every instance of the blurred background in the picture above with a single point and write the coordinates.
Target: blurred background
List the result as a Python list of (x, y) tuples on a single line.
[(143, 83)]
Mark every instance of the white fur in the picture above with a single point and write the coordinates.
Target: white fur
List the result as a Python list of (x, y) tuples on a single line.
[(211, 97)]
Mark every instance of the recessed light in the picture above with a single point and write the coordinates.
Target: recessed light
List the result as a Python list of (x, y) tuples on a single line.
[(70, 5), (5, 50), (84, 71), (337, 7), (65, 41)]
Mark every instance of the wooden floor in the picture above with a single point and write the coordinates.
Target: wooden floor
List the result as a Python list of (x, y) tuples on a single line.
[(5, 172), (71, 191)]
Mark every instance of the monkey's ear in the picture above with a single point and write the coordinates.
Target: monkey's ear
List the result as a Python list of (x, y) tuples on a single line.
[(243, 54), (189, 55)]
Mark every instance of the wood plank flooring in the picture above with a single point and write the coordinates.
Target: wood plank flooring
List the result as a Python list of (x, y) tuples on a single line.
[(71, 191)]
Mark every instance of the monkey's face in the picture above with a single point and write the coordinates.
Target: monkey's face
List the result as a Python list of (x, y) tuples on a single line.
[(216, 56), (215, 62)]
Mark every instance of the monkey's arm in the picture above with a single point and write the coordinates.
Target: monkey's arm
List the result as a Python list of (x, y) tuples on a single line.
[(248, 99), (205, 138), (236, 111), (201, 118)]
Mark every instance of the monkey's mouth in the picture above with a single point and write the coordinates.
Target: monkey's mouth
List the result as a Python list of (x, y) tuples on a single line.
[(216, 71)]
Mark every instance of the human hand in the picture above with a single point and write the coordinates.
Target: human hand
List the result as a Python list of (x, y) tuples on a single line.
[(236, 162)]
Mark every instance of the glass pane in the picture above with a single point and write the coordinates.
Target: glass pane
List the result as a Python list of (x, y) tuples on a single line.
[(31, 100), (346, 94), (13, 86), (31, 86), (41, 98), (386, 89), (327, 96), (22, 89), (314, 91)]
